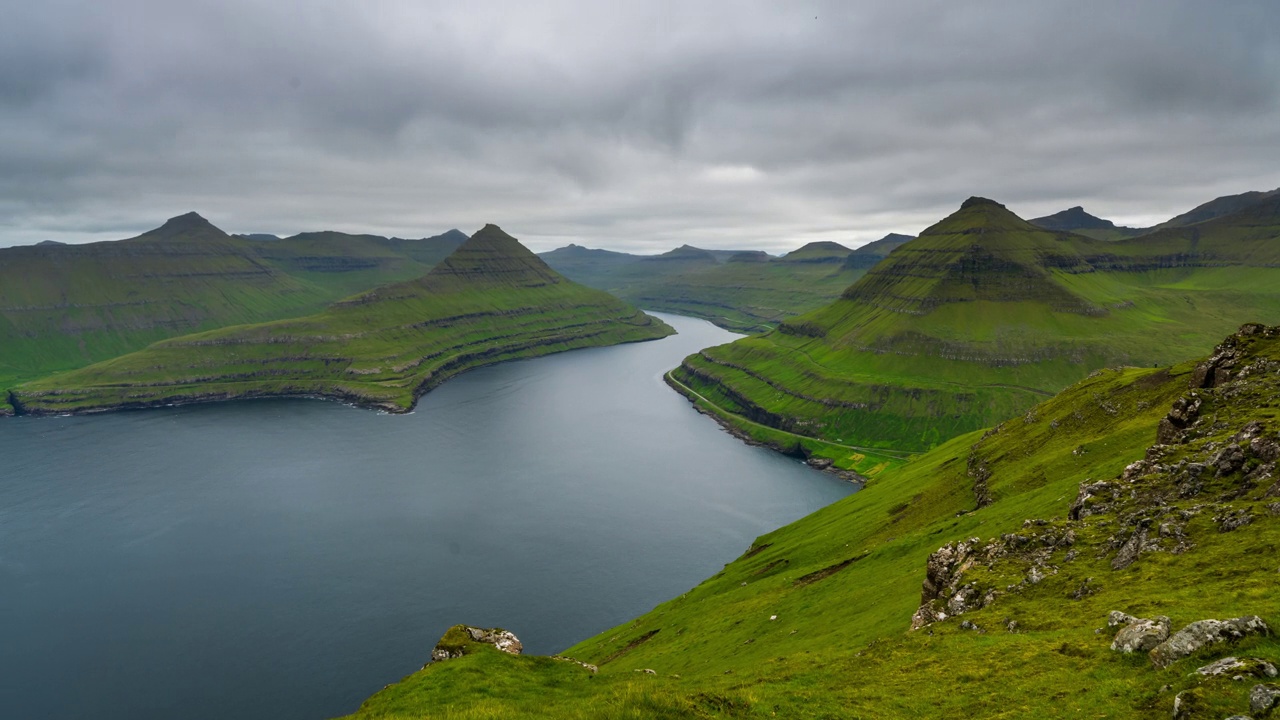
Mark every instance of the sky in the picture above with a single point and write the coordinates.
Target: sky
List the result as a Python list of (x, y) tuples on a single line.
[(635, 126)]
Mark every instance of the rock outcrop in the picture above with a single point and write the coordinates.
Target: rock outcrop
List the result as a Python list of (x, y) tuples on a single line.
[(1238, 667), (459, 639), (1138, 634), (1202, 634), (1264, 698)]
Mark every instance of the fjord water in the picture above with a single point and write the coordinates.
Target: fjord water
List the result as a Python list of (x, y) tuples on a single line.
[(287, 558)]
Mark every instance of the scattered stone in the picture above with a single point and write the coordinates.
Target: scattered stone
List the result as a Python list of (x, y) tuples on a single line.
[(454, 642), (594, 669), (773, 617), (1131, 549), (1263, 698), (1186, 705), (1228, 460), (966, 625), (1035, 575), (1204, 633), (1141, 635), (1093, 499), (1233, 520), (1273, 509), (651, 671), (1256, 667), (1012, 626), (1084, 590)]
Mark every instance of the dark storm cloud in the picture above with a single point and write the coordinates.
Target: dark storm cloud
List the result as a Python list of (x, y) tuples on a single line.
[(633, 126)]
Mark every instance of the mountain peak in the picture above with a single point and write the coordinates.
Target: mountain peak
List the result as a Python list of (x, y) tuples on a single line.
[(1073, 218), (189, 226), (819, 251), (981, 252), (976, 201), (491, 257)]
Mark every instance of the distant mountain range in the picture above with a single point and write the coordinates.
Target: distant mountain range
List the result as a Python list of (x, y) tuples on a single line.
[(746, 291)]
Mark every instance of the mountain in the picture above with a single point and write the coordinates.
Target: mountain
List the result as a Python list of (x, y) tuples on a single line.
[(262, 237), (66, 306), (490, 300), (1003, 574), (979, 318), (818, 252), (744, 291), (1218, 207), (873, 252), (1078, 221)]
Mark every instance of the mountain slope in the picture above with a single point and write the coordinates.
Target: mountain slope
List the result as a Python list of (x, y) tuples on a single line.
[(1218, 207), (66, 306), (1147, 491), (982, 316), (490, 300)]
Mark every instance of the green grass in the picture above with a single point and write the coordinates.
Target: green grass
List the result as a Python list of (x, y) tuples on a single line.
[(844, 582), (983, 316), (491, 300)]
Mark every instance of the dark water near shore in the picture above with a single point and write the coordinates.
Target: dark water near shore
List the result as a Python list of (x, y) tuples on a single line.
[(286, 559)]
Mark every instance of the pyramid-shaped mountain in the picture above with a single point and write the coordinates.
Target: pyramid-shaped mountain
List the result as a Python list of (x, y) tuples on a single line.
[(981, 252), (184, 228), (491, 257), (1074, 218), (491, 300)]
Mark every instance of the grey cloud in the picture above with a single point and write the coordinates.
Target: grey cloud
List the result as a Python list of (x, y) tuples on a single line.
[(626, 125)]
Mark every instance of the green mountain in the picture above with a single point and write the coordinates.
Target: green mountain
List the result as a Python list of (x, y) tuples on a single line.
[(66, 306), (978, 319), (873, 252), (1080, 222), (740, 291), (1110, 553), (490, 300)]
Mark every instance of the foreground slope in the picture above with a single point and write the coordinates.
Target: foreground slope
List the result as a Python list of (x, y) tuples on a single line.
[(490, 300), (66, 306), (1147, 491), (985, 314)]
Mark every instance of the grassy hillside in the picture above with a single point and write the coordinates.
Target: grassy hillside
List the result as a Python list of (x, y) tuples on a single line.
[(1008, 532), (744, 291), (490, 300), (66, 306), (984, 315)]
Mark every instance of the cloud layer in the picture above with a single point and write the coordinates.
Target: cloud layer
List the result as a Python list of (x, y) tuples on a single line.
[(634, 126)]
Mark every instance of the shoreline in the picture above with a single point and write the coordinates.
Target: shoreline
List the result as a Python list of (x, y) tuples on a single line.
[(728, 426)]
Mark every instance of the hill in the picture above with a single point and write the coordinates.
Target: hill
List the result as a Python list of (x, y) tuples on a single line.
[(1218, 207), (490, 300), (990, 577), (981, 317), (1078, 221), (66, 306), (740, 291)]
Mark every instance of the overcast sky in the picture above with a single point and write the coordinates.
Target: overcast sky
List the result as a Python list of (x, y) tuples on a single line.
[(636, 126)]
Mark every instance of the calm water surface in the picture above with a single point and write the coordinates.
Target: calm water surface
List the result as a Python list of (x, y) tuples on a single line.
[(286, 559)]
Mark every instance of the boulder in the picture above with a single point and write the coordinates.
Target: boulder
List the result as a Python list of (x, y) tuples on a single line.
[(1233, 666), (1263, 698), (1141, 635), (457, 641), (1203, 633)]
